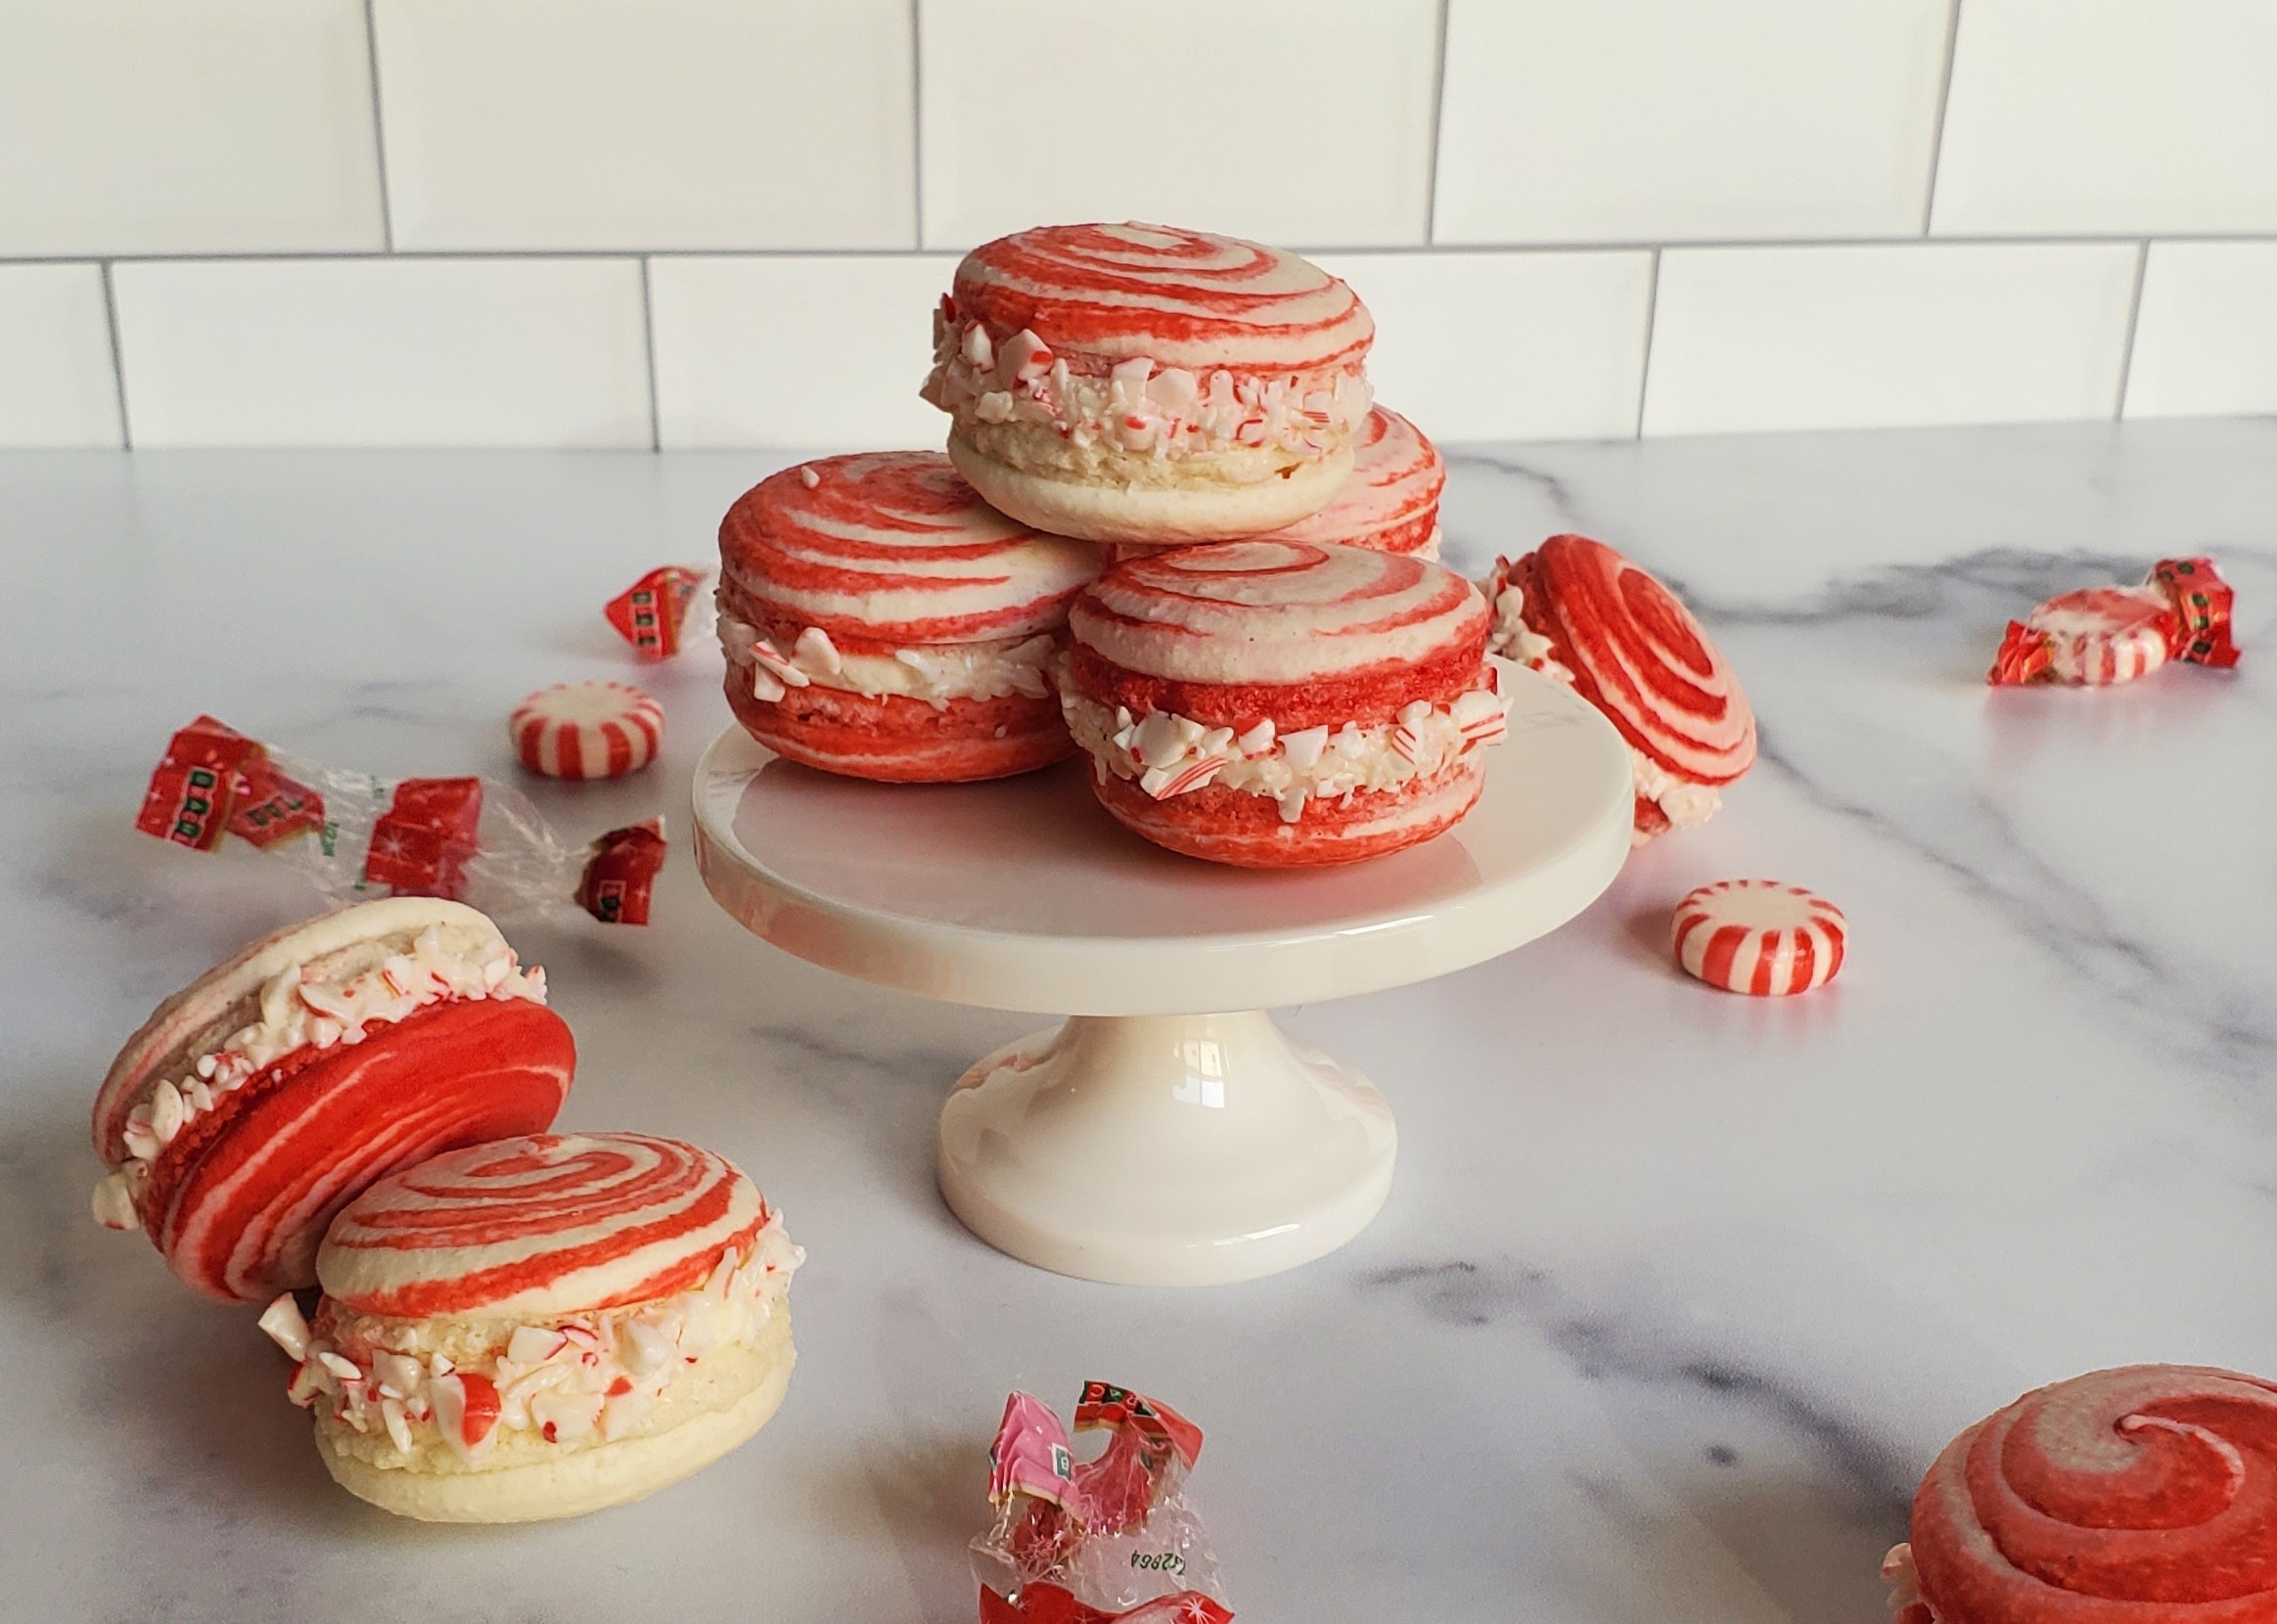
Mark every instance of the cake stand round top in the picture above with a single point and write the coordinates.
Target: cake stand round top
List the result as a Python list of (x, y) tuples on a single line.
[(1023, 894)]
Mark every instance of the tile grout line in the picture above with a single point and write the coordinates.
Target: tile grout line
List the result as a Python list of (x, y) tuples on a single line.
[(118, 358), (1408, 251), (917, 122), (648, 331), (379, 126), (1439, 117), (1651, 320), (1937, 144), (2134, 317)]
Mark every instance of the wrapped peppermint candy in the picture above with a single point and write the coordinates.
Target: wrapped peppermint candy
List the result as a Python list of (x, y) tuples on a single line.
[(649, 614), (2106, 634), (1110, 1540), (357, 836)]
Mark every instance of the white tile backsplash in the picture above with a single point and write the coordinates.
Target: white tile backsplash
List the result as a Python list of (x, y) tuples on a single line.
[(1887, 337), (2206, 340), (1300, 122), (1491, 346), (795, 351), (578, 124), (185, 126), (57, 383), (2112, 116), (1654, 120), (421, 352)]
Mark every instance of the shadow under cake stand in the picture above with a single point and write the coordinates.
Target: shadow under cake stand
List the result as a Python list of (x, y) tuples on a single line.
[(1169, 1133)]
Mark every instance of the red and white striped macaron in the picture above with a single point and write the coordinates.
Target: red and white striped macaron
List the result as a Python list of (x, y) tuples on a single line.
[(1759, 936), (540, 1227), (1639, 656), (1280, 705), (1391, 504), (587, 730)]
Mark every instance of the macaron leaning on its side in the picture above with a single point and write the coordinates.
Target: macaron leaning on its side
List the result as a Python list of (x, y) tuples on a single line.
[(1277, 704), (881, 622), (258, 1101), (543, 1327), (1147, 383)]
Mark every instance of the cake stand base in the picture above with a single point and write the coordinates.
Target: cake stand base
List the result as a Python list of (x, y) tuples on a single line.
[(1165, 1150)]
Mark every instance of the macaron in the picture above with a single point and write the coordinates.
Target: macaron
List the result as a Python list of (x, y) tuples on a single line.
[(1577, 610), (1148, 383), (879, 620), (1282, 704), (542, 1327), (261, 1098), (2144, 1495)]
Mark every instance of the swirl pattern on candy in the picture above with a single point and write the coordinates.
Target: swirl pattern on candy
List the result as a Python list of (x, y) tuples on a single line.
[(543, 1326), (1760, 938), (2107, 634), (1575, 610), (258, 1101), (1277, 704), (1148, 383), (585, 729), (2144, 1495)]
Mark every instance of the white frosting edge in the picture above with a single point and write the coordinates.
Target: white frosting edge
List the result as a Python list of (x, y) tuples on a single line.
[(934, 674)]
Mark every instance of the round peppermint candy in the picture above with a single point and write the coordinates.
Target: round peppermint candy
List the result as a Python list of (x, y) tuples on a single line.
[(1759, 936), (587, 730), (2105, 634), (540, 1227)]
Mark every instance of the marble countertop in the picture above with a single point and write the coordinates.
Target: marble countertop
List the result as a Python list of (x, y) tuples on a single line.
[(1677, 1293)]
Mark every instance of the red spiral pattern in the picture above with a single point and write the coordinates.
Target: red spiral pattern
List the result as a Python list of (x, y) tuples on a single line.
[(1278, 611), (549, 1224), (1102, 294), (1391, 502), (893, 547), (1638, 655), (2145, 1495)]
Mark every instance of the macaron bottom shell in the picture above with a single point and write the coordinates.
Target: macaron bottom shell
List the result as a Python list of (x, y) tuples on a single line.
[(1247, 830), (895, 739)]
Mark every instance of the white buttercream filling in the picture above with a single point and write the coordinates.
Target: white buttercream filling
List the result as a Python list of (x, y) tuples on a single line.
[(1139, 406), (564, 1380), (1682, 802), (1898, 1573), (1167, 755), (296, 1013), (933, 673)]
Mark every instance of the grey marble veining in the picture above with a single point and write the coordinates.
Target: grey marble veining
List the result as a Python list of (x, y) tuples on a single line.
[(1676, 1292)]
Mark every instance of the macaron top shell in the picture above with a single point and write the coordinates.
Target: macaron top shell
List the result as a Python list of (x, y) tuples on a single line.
[(539, 1228), (1101, 294), (894, 547), (1392, 501), (1277, 612), (196, 1020)]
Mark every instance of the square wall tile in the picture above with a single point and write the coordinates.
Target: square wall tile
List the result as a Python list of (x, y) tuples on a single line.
[(57, 385), (186, 127), (1298, 122), (1887, 336), (824, 352), (1645, 120), (648, 123), (412, 352), (2205, 336), (1506, 347), (2111, 115)]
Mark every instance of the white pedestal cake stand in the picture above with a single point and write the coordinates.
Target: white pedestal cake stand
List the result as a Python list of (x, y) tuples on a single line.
[(1168, 1134)]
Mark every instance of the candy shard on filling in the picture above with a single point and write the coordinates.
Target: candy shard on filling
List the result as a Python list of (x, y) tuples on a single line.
[(937, 673), (463, 1386), (337, 999)]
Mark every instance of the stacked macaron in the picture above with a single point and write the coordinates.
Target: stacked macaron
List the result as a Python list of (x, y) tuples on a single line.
[(881, 622), (1279, 705), (515, 1325)]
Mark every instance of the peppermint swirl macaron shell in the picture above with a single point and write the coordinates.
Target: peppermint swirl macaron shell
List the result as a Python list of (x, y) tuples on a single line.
[(539, 1228), (2144, 1495), (894, 547), (1391, 504)]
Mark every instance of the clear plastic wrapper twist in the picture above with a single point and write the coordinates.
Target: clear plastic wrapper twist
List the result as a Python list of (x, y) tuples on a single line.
[(1107, 1540), (358, 836)]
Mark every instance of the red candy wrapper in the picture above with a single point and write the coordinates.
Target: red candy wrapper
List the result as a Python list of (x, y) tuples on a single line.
[(1110, 1540), (650, 613), (357, 836), (2108, 634)]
